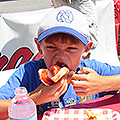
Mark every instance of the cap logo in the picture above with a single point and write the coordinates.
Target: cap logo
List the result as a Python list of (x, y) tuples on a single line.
[(65, 16)]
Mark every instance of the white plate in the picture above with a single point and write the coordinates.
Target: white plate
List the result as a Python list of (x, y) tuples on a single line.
[(78, 114)]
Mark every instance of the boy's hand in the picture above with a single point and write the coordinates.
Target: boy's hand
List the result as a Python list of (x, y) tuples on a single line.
[(89, 84), (45, 94)]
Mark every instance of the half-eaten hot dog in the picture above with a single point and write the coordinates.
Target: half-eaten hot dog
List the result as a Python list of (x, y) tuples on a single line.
[(48, 77)]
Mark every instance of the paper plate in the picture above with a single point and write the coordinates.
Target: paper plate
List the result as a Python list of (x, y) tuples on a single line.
[(78, 114)]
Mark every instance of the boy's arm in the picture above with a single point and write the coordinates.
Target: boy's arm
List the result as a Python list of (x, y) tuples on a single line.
[(4, 108), (44, 94), (92, 83)]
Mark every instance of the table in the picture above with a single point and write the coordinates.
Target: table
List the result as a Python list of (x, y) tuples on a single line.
[(107, 102), (110, 101)]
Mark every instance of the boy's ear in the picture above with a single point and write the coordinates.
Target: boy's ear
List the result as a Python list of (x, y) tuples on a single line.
[(38, 45), (87, 49)]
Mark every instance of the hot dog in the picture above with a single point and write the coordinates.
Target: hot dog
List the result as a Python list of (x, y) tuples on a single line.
[(48, 77)]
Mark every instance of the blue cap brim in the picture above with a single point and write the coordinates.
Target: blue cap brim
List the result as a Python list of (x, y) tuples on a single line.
[(62, 29)]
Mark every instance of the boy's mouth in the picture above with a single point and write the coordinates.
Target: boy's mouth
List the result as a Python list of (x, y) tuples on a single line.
[(61, 64)]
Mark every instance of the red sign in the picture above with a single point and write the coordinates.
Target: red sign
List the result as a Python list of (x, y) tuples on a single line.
[(19, 57)]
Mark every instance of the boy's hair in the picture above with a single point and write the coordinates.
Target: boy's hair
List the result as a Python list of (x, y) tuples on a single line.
[(67, 20), (64, 37)]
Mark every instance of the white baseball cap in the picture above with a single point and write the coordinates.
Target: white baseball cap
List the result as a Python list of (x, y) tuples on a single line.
[(64, 19)]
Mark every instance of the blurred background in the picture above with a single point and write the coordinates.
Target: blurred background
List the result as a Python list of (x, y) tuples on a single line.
[(10, 6)]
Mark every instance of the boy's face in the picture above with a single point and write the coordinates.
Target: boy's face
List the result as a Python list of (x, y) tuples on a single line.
[(62, 49)]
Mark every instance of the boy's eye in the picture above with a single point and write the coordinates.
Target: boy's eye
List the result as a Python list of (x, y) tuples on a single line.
[(51, 47), (71, 48)]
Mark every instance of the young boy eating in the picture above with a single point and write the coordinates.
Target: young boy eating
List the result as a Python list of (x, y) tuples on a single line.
[(63, 38)]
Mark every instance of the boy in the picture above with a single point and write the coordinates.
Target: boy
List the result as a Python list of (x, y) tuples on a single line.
[(63, 38)]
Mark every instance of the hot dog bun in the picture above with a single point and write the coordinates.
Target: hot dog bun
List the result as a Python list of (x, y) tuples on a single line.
[(54, 75)]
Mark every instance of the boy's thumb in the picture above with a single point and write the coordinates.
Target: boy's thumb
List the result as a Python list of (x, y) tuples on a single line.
[(84, 70)]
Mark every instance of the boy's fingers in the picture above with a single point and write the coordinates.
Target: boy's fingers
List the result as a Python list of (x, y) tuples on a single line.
[(62, 89), (84, 70), (79, 77), (82, 74), (81, 84)]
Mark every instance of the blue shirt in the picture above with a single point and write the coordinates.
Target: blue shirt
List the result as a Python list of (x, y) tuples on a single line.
[(27, 75)]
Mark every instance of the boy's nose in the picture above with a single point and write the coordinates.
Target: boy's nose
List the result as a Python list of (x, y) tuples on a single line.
[(61, 55)]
